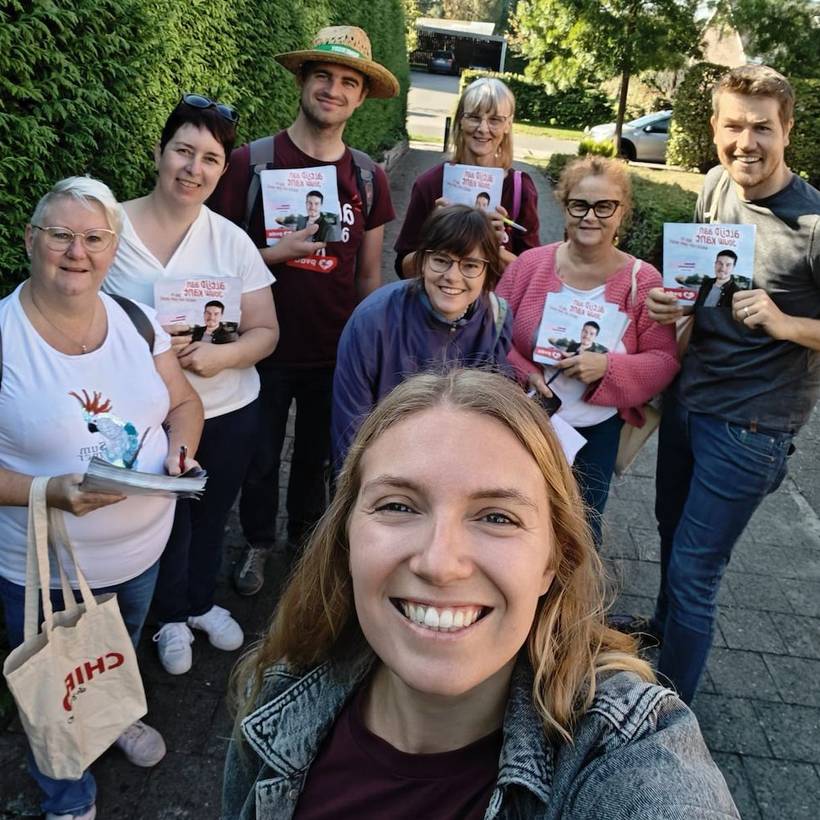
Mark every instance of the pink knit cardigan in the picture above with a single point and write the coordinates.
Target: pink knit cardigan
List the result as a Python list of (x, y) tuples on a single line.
[(650, 362)]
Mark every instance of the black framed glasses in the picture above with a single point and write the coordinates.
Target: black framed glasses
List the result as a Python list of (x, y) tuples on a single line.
[(224, 111), (61, 239), (603, 208), (471, 267)]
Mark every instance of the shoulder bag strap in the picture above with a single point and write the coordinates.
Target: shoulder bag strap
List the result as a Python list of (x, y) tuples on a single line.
[(636, 266), (516, 195), (140, 321)]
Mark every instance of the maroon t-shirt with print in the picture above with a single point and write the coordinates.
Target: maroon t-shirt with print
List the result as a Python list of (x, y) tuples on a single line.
[(357, 774), (314, 296)]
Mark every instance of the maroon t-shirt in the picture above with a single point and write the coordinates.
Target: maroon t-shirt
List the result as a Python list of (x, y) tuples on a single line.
[(315, 295), (358, 775), (427, 189)]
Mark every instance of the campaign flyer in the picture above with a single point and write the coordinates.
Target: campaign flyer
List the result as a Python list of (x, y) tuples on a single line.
[(473, 185), (293, 198), (573, 323), (209, 306), (705, 264)]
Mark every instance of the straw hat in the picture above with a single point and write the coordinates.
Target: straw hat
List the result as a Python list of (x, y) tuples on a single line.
[(348, 46)]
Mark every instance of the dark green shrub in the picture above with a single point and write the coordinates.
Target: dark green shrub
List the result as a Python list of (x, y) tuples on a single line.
[(690, 135), (573, 108), (85, 86), (803, 153), (653, 204)]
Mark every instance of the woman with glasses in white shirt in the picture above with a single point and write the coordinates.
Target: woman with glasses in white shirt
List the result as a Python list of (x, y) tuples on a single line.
[(482, 136)]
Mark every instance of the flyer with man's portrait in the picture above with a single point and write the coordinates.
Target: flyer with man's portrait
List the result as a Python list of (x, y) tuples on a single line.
[(706, 264), (574, 323), (293, 198), (472, 185), (209, 307)]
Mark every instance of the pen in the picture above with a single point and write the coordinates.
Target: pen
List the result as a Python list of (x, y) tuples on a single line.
[(512, 224), (183, 452)]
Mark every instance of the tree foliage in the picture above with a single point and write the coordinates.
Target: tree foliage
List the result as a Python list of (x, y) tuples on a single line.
[(572, 41), (784, 34)]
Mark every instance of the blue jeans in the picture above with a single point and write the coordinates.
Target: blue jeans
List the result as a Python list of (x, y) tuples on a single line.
[(134, 598), (593, 468), (711, 477)]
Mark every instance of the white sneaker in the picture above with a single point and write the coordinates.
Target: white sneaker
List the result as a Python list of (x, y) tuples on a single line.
[(174, 648), (141, 745), (223, 631), (86, 815)]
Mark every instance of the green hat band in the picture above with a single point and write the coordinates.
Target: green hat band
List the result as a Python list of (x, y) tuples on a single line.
[(335, 48)]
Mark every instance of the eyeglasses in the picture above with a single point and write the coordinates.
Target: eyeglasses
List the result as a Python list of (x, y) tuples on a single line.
[(61, 239), (224, 111), (470, 266), (495, 122), (603, 208)]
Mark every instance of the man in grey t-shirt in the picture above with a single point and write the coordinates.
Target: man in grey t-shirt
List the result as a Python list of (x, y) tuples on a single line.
[(750, 375)]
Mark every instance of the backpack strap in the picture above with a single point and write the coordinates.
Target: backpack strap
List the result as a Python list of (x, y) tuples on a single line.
[(140, 321), (262, 154), (718, 193), (499, 307), (365, 176), (516, 195)]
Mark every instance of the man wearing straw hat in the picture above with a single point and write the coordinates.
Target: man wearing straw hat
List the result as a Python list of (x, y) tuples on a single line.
[(317, 284)]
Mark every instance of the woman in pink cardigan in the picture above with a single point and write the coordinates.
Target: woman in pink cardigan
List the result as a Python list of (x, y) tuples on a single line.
[(600, 388)]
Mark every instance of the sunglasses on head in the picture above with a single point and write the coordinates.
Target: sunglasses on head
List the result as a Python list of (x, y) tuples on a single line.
[(224, 111)]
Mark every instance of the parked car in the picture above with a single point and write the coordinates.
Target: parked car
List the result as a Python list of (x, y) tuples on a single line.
[(443, 62), (643, 139)]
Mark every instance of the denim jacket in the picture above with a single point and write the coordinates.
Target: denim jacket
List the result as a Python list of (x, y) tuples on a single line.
[(637, 753)]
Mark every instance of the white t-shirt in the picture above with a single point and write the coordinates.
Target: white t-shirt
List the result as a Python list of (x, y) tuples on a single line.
[(213, 247), (44, 430), (574, 410)]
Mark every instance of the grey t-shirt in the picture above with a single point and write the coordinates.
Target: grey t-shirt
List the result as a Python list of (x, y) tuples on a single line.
[(744, 375)]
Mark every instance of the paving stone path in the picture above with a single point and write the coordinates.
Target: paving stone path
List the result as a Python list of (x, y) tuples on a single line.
[(759, 705)]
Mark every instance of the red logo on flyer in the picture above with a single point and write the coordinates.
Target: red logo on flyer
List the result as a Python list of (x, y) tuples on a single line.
[(325, 264)]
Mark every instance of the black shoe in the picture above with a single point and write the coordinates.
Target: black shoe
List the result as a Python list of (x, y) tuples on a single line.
[(641, 628)]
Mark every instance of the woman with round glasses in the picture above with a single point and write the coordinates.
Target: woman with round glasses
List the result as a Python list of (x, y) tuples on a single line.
[(599, 390), (440, 651), (482, 135), (445, 314), (84, 375), (171, 234)]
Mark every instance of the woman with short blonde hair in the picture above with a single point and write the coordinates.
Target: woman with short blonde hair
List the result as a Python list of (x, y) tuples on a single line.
[(482, 135), (443, 638)]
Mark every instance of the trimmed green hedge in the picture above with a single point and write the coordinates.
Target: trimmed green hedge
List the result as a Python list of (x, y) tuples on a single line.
[(85, 87), (803, 153), (653, 204), (690, 134), (573, 108)]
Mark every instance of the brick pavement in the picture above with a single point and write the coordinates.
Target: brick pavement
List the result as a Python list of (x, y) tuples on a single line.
[(759, 705)]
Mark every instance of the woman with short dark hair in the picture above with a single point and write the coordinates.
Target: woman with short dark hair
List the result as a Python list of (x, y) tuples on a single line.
[(171, 234), (445, 314)]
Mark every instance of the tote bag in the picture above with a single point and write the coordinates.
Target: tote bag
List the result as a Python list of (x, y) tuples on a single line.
[(76, 683)]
